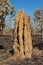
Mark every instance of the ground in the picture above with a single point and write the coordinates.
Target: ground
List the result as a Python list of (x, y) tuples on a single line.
[(7, 54), (7, 58)]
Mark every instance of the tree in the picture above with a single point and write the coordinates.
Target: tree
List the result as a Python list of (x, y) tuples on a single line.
[(38, 17), (5, 9)]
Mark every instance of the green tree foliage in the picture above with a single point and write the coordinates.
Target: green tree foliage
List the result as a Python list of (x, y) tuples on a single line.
[(5, 9), (38, 14)]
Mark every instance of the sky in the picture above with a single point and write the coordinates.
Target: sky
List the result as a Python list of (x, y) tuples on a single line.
[(27, 5)]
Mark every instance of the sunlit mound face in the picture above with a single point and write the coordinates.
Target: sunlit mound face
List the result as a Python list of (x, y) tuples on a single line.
[(22, 36)]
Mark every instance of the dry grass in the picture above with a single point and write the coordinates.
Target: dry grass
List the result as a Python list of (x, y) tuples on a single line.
[(37, 53)]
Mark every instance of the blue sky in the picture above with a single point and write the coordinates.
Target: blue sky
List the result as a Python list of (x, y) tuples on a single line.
[(28, 5)]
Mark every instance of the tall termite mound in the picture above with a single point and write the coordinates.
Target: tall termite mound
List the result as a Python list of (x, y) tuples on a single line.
[(22, 36)]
